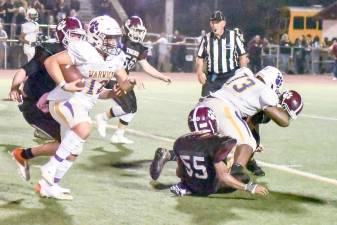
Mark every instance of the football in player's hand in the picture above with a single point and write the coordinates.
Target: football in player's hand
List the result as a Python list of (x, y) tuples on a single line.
[(71, 73), (292, 102)]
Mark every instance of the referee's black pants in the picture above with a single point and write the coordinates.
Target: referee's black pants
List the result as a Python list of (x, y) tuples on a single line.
[(214, 82)]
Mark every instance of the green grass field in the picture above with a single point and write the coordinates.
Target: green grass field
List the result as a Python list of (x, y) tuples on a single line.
[(111, 184)]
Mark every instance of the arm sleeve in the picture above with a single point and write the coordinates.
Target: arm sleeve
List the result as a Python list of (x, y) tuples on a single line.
[(240, 45), (202, 50)]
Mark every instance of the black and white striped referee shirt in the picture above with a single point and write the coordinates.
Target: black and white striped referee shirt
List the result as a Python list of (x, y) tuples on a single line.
[(222, 55)]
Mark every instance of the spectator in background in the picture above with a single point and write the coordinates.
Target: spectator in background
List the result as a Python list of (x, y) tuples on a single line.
[(72, 13), (315, 53), (105, 7), (3, 45), (202, 34), (268, 59), (254, 50), (163, 53), (178, 52), (299, 55), (20, 19), (75, 4), (285, 51), (2, 12), (333, 50), (36, 4), (61, 11), (307, 54), (9, 9)]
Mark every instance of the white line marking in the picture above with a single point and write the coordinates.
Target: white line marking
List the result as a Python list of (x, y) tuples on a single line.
[(269, 165), (319, 117), (299, 173), (191, 102), (2, 107)]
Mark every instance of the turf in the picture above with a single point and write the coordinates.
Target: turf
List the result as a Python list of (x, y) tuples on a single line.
[(111, 184)]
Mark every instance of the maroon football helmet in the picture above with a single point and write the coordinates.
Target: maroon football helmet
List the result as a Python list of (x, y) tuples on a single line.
[(292, 102), (135, 29), (68, 27), (202, 118)]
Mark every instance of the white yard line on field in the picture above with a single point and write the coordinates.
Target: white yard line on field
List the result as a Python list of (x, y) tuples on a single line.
[(3, 107), (284, 168)]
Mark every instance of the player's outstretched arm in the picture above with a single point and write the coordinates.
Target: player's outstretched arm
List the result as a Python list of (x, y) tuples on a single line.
[(125, 82), (18, 79), (228, 180), (278, 115), (153, 72)]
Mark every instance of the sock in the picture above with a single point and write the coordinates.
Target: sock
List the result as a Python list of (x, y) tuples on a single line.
[(119, 132), (105, 116), (173, 156), (27, 153), (62, 169), (70, 142)]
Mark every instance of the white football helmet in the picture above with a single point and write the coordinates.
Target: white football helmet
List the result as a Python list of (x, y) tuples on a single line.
[(272, 77), (32, 15), (101, 29)]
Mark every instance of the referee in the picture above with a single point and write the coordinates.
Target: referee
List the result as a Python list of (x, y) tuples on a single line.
[(222, 50)]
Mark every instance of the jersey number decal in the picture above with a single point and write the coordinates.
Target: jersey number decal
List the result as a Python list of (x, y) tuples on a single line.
[(195, 165), (130, 62), (244, 85)]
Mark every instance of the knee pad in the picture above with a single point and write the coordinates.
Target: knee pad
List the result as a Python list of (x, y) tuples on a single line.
[(239, 173), (126, 119)]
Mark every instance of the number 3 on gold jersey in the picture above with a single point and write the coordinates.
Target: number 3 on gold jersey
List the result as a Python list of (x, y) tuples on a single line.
[(244, 85)]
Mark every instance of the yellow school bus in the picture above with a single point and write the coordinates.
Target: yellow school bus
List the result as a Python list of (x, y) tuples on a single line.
[(295, 21)]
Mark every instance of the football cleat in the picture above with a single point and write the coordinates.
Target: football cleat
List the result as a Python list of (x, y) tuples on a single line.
[(101, 124), (254, 168), (120, 139), (52, 191), (180, 190), (23, 166), (161, 156), (62, 189)]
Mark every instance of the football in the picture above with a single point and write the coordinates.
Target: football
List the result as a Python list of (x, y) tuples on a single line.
[(71, 73)]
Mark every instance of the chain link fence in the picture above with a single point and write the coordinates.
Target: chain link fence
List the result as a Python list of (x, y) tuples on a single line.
[(180, 56)]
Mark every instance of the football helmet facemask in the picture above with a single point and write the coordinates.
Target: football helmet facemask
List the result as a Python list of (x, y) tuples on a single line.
[(135, 29), (202, 119)]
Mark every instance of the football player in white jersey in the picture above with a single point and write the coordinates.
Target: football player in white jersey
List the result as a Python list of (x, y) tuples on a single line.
[(98, 60), (242, 96), (29, 33)]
